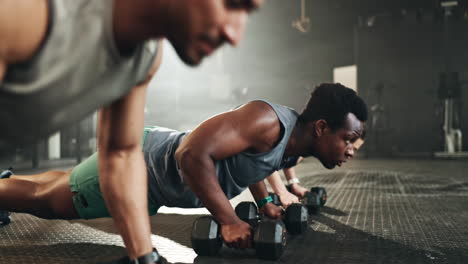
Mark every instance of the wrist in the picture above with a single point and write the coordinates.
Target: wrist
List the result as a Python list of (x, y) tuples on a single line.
[(233, 220), (264, 201), (150, 258), (293, 181), (282, 192)]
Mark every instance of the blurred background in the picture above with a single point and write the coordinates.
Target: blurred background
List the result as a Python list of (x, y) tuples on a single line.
[(407, 59)]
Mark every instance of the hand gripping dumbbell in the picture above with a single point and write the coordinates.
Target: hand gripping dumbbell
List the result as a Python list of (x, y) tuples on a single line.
[(269, 239), (322, 193), (311, 201), (314, 199), (295, 217)]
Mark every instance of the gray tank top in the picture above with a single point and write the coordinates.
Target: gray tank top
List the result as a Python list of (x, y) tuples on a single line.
[(235, 174), (77, 69)]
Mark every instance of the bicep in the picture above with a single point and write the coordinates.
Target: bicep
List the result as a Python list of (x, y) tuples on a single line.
[(230, 133), (121, 123), (217, 137)]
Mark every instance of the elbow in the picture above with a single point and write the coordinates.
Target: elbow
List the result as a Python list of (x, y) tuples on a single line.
[(183, 157), (191, 162), (119, 150), (112, 161)]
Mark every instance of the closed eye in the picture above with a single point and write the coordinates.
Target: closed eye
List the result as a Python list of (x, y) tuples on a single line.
[(249, 5)]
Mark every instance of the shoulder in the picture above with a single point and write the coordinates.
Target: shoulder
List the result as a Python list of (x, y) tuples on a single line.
[(265, 124), (23, 25), (259, 112)]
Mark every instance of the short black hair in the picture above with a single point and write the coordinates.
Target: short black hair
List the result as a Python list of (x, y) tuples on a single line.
[(332, 102)]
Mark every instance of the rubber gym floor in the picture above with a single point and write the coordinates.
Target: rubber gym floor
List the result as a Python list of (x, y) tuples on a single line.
[(378, 211)]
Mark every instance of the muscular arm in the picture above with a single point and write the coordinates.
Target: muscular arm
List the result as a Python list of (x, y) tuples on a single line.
[(289, 173), (258, 190), (276, 183), (122, 169), (122, 172), (254, 127)]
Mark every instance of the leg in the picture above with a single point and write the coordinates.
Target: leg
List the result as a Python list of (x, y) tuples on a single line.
[(45, 195), (38, 178)]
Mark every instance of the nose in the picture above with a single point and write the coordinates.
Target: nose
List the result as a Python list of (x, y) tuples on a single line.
[(233, 29), (349, 153)]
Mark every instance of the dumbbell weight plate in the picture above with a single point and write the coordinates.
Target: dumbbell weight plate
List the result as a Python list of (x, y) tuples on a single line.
[(206, 236), (247, 212), (296, 218), (312, 202), (322, 193), (270, 239)]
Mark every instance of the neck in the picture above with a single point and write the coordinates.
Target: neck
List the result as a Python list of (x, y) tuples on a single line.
[(137, 21), (299, 144), (292, 146)]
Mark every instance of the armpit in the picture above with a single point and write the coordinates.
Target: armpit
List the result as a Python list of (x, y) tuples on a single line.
[(156, 63)]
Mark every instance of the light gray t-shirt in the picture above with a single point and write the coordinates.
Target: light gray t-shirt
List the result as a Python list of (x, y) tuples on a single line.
[(77, 69), (235, 174)]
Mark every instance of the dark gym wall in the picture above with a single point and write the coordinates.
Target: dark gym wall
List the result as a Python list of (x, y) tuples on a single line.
[(401, 53), (283, 64), (279, 63), (404, 59), (275, 61)]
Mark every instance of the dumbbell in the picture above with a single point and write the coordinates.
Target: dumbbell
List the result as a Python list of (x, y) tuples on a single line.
[(322, 193), (311, 201), (4, 218), (295, 217), (269, 239)]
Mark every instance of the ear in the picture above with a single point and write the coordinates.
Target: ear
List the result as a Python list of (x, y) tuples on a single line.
[(321, 127)]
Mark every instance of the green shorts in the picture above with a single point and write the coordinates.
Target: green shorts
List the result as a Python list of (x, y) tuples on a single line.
[(88, 201)]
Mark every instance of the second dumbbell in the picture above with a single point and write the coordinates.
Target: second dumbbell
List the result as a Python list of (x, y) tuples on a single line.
[(269, 238), (295, 216)]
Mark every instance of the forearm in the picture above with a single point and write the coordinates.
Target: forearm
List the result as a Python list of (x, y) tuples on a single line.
[(124, 187), (122, 170), (276, 183), (200, 174), (258, 190), (290, 173), (293, 183)]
